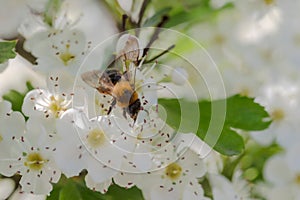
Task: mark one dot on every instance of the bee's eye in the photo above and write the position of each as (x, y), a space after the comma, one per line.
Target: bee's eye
(114, 76)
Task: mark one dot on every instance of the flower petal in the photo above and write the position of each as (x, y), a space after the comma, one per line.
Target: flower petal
(101, 187)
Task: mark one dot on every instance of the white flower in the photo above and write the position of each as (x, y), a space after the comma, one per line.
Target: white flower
(176, 180)
(101, 187)
(20, 195)
(282, 173)
(224, 189)
(7, 186)
(10, 122)
(36, 21)
(280, 100)
(59, 49)
(29, 154)
(151, 140)
(89, 144)
(48, 103)
(12, 13)
(23, 69)
(5, 108)
(211, 158)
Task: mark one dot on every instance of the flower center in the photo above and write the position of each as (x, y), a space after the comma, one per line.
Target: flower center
(66, 56)
(297, 179)
(219, 39)
(269, 2)
(277, 114)
(35, 161)
(173, 171)
(55, 106)
(96, 138)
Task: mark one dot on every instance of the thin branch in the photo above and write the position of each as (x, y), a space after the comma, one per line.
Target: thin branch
(124, 19)
(155, 34)
(142, 11)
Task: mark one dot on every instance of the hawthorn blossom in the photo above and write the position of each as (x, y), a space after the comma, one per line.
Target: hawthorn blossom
(281, 173)
(7, 186)
(27, 152)
(23, 69)
(5, 108)
(101, 187)
(59, 50)
(280, 100)
(92, 144)
(12, 14)
(48, 103)
(20, 195)
(223, 189)
(178, 180)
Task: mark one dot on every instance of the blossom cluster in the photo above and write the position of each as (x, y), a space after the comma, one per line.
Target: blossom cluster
(61, 136)
(79, 122)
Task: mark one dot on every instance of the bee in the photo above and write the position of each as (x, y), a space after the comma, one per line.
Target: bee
(116, 84)
(120, 85)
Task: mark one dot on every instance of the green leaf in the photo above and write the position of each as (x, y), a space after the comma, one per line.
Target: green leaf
(156, 18)
(116, 192)
(70, 191)
(7, 50)
(16, 98)
(194, 15)
(54, 194)
(72, 188)
(248, 118)
(215, 122)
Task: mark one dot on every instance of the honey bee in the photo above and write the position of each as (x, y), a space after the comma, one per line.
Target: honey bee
(119, 84)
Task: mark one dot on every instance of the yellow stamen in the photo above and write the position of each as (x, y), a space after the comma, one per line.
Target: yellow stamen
(66, 56)
(277, 114)
(55, 106)
(35, 161)
(96, 138)
(269, 2)
(173, 171)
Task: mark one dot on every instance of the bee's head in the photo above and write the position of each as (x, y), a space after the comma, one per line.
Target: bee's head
(134, 108)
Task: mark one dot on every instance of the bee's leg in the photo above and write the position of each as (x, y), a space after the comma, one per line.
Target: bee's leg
(113, 103)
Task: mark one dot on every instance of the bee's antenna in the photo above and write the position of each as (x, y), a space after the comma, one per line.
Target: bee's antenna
(161, 54)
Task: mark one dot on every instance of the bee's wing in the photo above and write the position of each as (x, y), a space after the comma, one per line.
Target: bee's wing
(128, 46)
(132, 49)
(99, 80)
